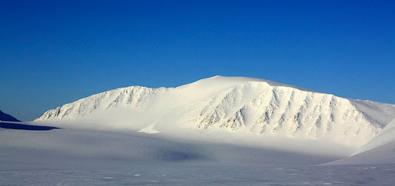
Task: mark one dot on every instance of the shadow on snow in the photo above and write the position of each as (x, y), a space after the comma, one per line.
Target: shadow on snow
(21, 126)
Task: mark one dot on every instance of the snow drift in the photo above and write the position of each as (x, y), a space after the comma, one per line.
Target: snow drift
(235, 104)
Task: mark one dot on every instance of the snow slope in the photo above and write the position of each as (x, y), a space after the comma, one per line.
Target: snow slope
(386, 136)
(380, 150)
(234, 104)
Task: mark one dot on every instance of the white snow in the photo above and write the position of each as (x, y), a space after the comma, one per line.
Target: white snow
(387, 135)
(380, 150)
(216, 131)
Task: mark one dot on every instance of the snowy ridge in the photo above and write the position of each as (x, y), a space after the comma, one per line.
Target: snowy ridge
(234, 104)
(134, 97)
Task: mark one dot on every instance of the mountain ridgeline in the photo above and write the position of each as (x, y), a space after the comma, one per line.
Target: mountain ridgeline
(233, 104)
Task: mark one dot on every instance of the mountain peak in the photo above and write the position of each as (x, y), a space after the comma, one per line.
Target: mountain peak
(7, 117)
(238, 79)
(228, 81)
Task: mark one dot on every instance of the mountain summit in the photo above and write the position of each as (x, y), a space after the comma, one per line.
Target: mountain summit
(234, 104)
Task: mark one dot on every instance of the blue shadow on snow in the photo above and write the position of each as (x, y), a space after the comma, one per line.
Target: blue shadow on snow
(21, 126)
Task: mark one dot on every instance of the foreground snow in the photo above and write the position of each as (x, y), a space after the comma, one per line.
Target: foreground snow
(91, 157)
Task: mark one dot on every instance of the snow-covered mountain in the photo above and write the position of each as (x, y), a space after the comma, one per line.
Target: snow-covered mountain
(7, 117)
(234, 104)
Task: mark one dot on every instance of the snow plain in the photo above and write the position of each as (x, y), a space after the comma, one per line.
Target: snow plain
(92, 157)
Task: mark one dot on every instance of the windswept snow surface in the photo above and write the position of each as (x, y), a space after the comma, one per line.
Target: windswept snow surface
(91, 157)
(233, 104)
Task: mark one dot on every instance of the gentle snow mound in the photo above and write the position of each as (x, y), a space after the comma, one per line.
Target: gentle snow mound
(149, 129)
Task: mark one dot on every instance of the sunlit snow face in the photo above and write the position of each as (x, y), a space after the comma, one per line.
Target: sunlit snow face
(233, 104)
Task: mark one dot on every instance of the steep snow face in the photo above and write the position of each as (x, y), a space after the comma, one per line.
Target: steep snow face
(235, 104)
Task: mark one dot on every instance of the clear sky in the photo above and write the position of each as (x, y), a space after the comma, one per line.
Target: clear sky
(54, 52)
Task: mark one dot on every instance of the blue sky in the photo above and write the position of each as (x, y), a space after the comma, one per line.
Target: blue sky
(53, 52)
